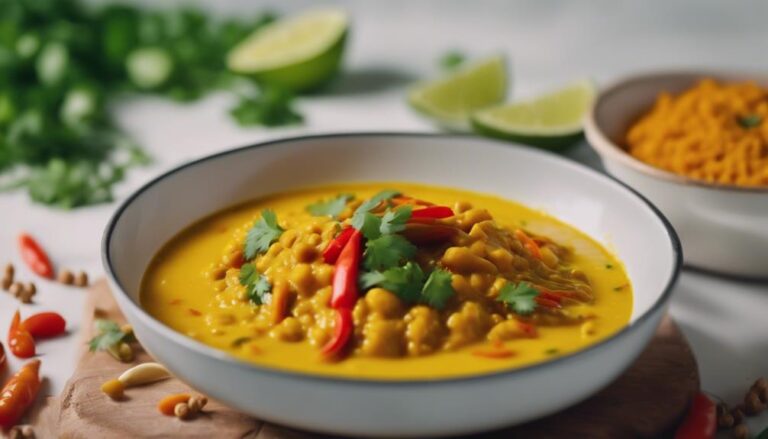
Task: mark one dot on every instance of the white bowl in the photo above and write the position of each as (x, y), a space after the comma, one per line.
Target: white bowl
(723, 228)
(596, 204)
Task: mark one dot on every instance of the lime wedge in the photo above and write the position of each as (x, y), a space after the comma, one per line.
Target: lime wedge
(299, 53)
(450, 100)
(550, 121)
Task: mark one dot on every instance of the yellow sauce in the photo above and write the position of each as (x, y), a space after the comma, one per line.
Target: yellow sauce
(177, 291)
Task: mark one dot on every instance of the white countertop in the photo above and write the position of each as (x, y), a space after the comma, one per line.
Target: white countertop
(395, 42)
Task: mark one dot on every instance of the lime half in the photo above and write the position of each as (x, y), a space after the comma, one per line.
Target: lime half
(299, 53)
(450, 100)
(550, 121)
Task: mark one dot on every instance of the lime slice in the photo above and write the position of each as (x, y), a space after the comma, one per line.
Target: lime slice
(299, 53)
(550, 121)
(450, 100)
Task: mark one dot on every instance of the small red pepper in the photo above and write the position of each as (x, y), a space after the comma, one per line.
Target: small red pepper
(528, 243)
(34, 256)
(332, 252)
(2, 358)
(701, 420)
(45, 324)
(547, 303)
(341, 333)
(20, 341)
(435, 212)
(345, 290)
(19, 394)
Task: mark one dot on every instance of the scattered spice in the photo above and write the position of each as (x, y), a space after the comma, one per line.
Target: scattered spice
(66, 277)
(195, 312)
(7, 279)
(754, 403)
(81, 280)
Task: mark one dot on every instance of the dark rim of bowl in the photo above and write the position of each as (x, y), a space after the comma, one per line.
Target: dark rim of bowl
(201, 348)
(605, 146)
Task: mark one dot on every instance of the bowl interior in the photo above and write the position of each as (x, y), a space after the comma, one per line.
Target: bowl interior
(595, 204)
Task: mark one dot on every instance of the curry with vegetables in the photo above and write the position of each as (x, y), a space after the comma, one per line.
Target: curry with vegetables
(361, 280)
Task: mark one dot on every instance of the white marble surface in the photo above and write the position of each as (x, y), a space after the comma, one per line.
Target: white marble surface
(395, 42)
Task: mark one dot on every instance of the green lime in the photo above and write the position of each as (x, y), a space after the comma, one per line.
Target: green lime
(299, 53)
(550, 121)
(450, 100)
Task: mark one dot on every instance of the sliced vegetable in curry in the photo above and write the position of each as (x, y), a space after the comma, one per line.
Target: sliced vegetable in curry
(447, 282)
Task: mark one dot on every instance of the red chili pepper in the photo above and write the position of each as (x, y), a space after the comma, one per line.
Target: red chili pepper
(34, 256)
(20, 341)
(436, 212)
(549, 295)
(2, 358)
(45, 324)
(341, 333)
(345, 290)
(547, 303)
(528, 243)
(332, 252)
(700, 422)
(19, 394)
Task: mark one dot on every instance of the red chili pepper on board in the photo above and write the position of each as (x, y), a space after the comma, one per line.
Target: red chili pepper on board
(45, 324)
(332, 252)
(701, 420)
(34, 256)
(345, 290)
(20, 341)
(19, 394)
(2, 358)
(341, 333)
(435, 212)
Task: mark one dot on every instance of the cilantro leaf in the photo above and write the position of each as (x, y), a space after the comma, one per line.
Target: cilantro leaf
(256, 285)
(520, 297)
(264, 232)
(272, 107)
(387, 251)
(452, 59)
(438, 289)
(406, 282)
(332, 207)
(108, 334)
(368, 224)
(750, 121)
(394, 221)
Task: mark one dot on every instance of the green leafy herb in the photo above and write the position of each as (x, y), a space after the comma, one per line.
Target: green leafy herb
(520, 297)
(374, 201)
(387, 251)
(264, 232)
(368, 224)
(751, 121)
(332, 207)
(406, 281)
(271, 107)
(452, 59)
(437, 290)
(394, 221)
(256, 285)
(108, 335)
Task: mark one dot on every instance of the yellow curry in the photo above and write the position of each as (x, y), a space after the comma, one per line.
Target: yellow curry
(388, 281)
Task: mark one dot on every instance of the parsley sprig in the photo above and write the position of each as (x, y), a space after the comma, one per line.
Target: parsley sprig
(264, 232)
(411, 285)
(257, 286)
(521, 297)
(332, 208)
(387, 251)
(108, 335)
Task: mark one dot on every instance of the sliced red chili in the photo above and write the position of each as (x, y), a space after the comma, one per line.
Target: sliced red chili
(45, 324)
(547, 303)
(528, 243)
(334, 248)
(436, 212)
(341, 333)
(20, 341)
(34, 256)
(345, 289)
(700, 422)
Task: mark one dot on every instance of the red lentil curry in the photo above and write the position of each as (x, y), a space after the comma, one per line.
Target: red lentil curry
(361, 280)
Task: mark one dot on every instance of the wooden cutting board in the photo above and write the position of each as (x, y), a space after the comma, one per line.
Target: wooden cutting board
(647, 401)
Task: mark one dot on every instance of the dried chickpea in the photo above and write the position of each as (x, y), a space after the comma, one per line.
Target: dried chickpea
(81, 280)
(66, 277)
(15, 289)
(752, 403)
(761, 387)
(31, 288)
(25, 296)
(21, 432)
(741, 431)
(114, 388)
(9, 271)
(6, 282)
(196, 403)
(181, 410)
(738, 415)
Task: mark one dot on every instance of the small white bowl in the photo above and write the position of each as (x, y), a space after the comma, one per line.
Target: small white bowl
(723, 228)
(598, 205)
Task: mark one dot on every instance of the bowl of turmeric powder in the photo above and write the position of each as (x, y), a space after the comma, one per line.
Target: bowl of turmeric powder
(696, 145)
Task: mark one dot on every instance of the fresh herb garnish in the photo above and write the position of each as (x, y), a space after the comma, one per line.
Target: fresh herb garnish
(521, 297)
(332, 207)
(394, 221)
(368, 224)
(256, 285)
(452, 59)
(264, 232)
(108, 335)
(270, 107)
(372, 202)
(751, 121)
(406, 282)
(437, 290)
(387, 251)
(372, 226)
